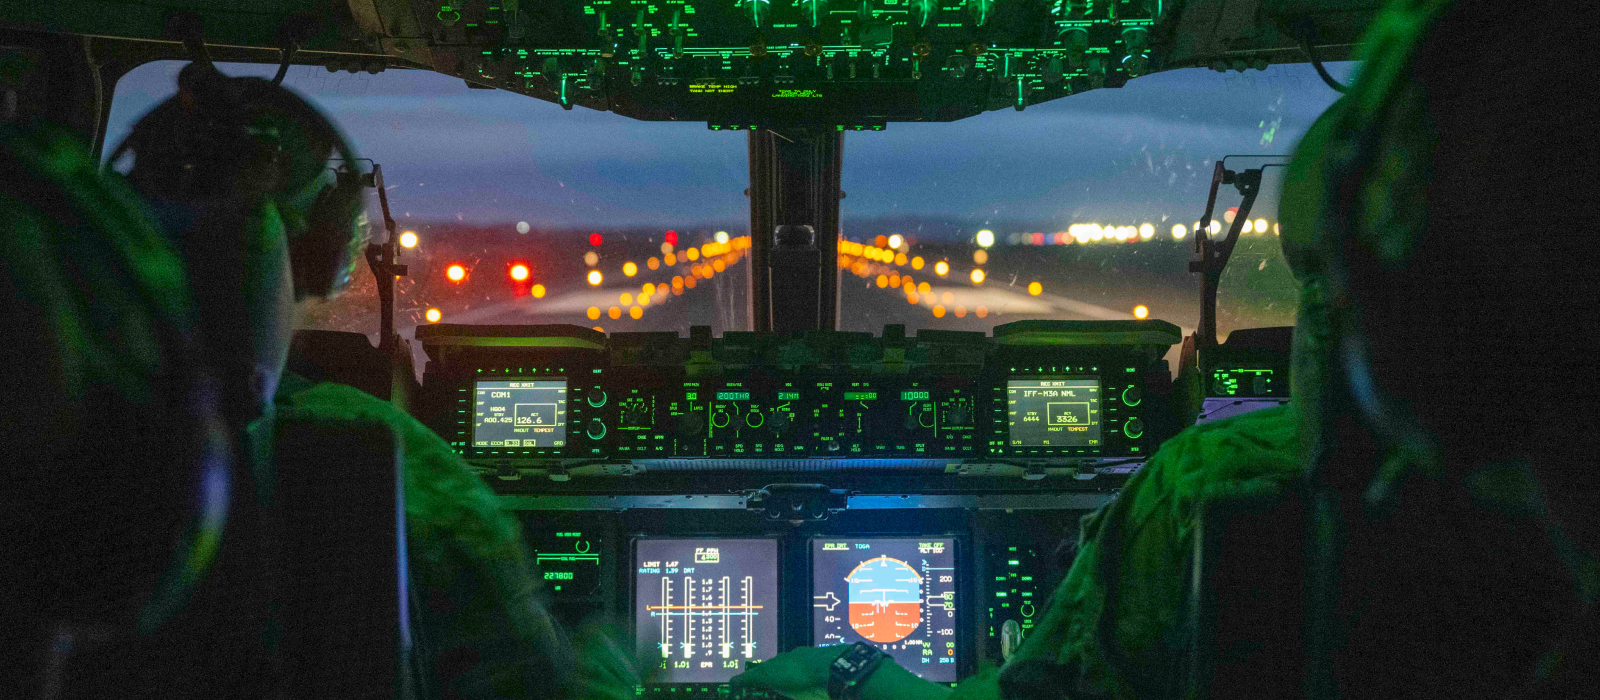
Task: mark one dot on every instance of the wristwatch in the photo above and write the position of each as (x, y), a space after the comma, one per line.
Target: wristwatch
(851, 669)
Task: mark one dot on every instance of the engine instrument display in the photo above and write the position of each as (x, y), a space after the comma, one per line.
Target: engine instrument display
(1047, 412)
(705, 608)
(519, 413)
(898, 593)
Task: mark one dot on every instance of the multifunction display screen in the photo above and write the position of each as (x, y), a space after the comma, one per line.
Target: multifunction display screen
(898, 593)
(704, 609)
(519, 414)
(1053, 412)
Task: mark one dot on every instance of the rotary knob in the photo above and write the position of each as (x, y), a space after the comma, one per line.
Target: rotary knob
(780, 421)
(596, 397)
(1133, 428)
(596, 429)
(754, 419)
(1132, 395)
(959, 415)
(720, 419)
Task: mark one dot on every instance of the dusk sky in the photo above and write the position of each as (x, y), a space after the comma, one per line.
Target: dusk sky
(1142, 152)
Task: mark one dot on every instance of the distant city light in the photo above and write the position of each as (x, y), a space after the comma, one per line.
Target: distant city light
(519, 272)
(980, 256)
(538, 291)
(648, 289)
(941, 268)
(917, 263)
(1179, 231)
(880, 241)
(1230, 214)
(671, 237)
(693, 254)
(522, 227)
(912, 298)
(882, 281)
(408, 239)
(635, 313)
(666, 248)
(591, 258)
(895, 241)
(1035, 288)
(986, 238)
(595, 278)
(596, 239)
(977, 275)
(924, 287)
(670, 259)
(1141, 312)
(456, 273)
(653, 263)
(433, 315)
(899, 258)
(1147, 231)
(630, 269)
(593, 312)
(626, 298)
(721, 237)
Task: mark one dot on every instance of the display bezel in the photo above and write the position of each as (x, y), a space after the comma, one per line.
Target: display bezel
(962, 588)
(632, 599)
(471, 417)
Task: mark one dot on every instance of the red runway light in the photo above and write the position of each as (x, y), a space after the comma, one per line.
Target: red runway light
(519, 272)
(596, 239)
(456, 273)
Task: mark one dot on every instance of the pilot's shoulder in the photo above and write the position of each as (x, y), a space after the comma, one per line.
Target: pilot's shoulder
(1259, 444)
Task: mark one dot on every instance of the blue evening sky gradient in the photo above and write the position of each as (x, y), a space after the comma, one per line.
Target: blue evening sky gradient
(1143, 152)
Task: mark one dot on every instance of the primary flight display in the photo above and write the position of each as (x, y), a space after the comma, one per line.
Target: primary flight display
(898, 593)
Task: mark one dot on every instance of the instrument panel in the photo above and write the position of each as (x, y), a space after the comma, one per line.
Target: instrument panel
(513, 396)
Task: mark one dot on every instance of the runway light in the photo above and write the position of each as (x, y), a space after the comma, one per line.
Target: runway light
(408, 239)
(977, 275)
(986, 238)
(594, 312)
(693, 254)
(1230, 214)
(1261, 225)
(982, 311)
(630, 269)
(538, 291)
(670, 259)
(947, 298)
(1249, 226)
(721, 238)
(1179, 231)
(1141, 312)
(938, 312)
(635, 313)
(519, 272)
(1215, 227)
(882, 281)
(913, 298)
(653, 263)
(671, 237)
(456, 273)
(961, 312)
(626, 299)
(647, 289)
(595, 277)
(980, 257)
(596, 239)
(614, 312)
(1275, 229)
(924, 287)
(591, 258)
(522, 227)
(895, 241)
(600, 329)
(1147, 231)
(1035, 288)
(434, 315)
(880, 241)
(941, 268)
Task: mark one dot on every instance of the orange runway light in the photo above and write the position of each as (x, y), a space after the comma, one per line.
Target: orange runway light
(519, 272)
(434, 315)
(455, 273)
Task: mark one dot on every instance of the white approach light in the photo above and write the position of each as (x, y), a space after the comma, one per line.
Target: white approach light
(986, 238)
(722, 237)
(895, 241)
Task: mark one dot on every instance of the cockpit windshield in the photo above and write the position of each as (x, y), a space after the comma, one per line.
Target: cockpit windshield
(515, 211)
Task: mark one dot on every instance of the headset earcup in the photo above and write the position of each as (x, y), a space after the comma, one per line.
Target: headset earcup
(324, 255)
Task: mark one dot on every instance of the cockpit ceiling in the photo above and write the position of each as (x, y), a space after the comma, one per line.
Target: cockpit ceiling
(739, 64)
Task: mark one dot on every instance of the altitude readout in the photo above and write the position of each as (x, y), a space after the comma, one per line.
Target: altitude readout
(896, 593)
(1053, 412)
(704, 609)
(519, 414)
